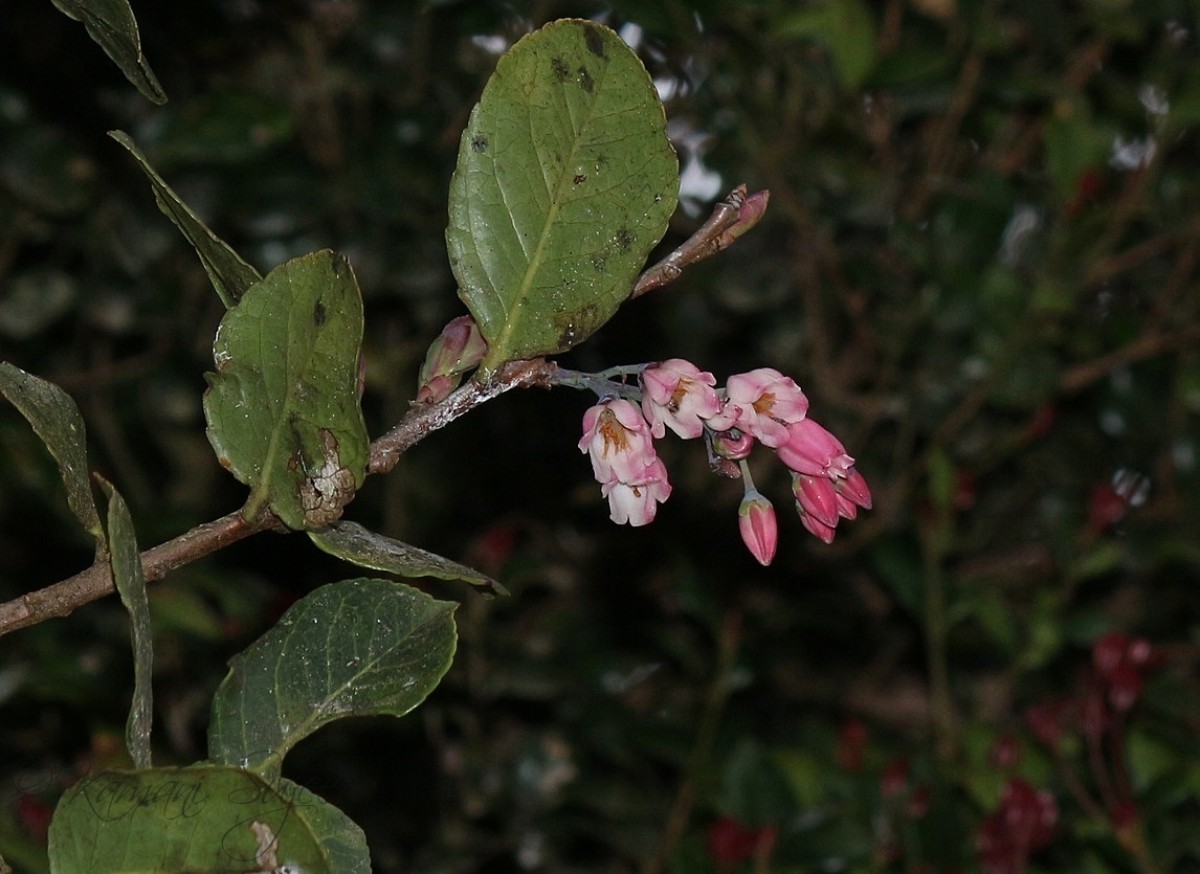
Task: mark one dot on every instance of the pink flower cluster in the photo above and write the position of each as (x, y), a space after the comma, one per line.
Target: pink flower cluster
(762, 406)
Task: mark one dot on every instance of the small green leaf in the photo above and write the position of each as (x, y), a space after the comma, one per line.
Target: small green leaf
(110, 23)
(282, 408)
(229, 274)
(202, 818)
(353, 543)
(355, 648)
(130, 582)
(56, 420)
(565, 182)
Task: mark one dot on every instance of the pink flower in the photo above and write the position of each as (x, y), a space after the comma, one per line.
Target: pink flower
(812, 450)
(678, 395)
(632, 477)
(760, 532)
(617, 438)
(637, 503)
(762, 403)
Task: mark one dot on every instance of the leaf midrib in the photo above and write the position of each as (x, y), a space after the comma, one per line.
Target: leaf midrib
(498, 351)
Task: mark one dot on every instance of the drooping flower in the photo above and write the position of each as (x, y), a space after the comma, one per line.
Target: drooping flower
(617, 439)
(680, 396)
(637, 503)
(758, 526)
(762, 403)
(634, 480)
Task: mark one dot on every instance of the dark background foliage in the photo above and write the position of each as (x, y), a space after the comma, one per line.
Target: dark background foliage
(980, 262)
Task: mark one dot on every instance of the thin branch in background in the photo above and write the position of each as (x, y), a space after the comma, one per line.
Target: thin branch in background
(689, 790)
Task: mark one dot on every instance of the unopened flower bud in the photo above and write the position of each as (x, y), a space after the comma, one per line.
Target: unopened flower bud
(817, 497)
(459, 348)
(757, 524)
(732, 444)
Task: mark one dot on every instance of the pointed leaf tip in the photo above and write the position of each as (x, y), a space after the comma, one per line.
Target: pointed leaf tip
(56, 420)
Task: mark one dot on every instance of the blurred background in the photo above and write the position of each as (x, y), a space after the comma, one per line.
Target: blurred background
(981, 262)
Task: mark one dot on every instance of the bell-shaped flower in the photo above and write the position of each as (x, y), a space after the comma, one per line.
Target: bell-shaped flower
(617, 439)
(762, 403)
(680, 396)
(637, 503)
(758, 526)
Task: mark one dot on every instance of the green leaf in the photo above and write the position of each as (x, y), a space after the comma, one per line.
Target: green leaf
(282, 408)
(355, 648)
(56, 420)
(565, 182)
(343, 841)
(202, 818)
(130, 583)
(353, 543)
(110, 23)
(229, 274)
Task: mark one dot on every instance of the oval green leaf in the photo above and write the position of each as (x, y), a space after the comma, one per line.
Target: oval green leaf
(356, 648)
(56, 420)
(565, 182)
(352, 542)
(282, 409)
(202, 818)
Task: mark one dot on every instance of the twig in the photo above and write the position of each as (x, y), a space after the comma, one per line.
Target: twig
(730, 218)
(62, 598)
(1080, 376)
(423, 420)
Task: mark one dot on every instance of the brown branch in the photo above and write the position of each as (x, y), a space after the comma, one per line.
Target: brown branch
(422, 420)
(1080, 376)
(717, 233)
(62, 598)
